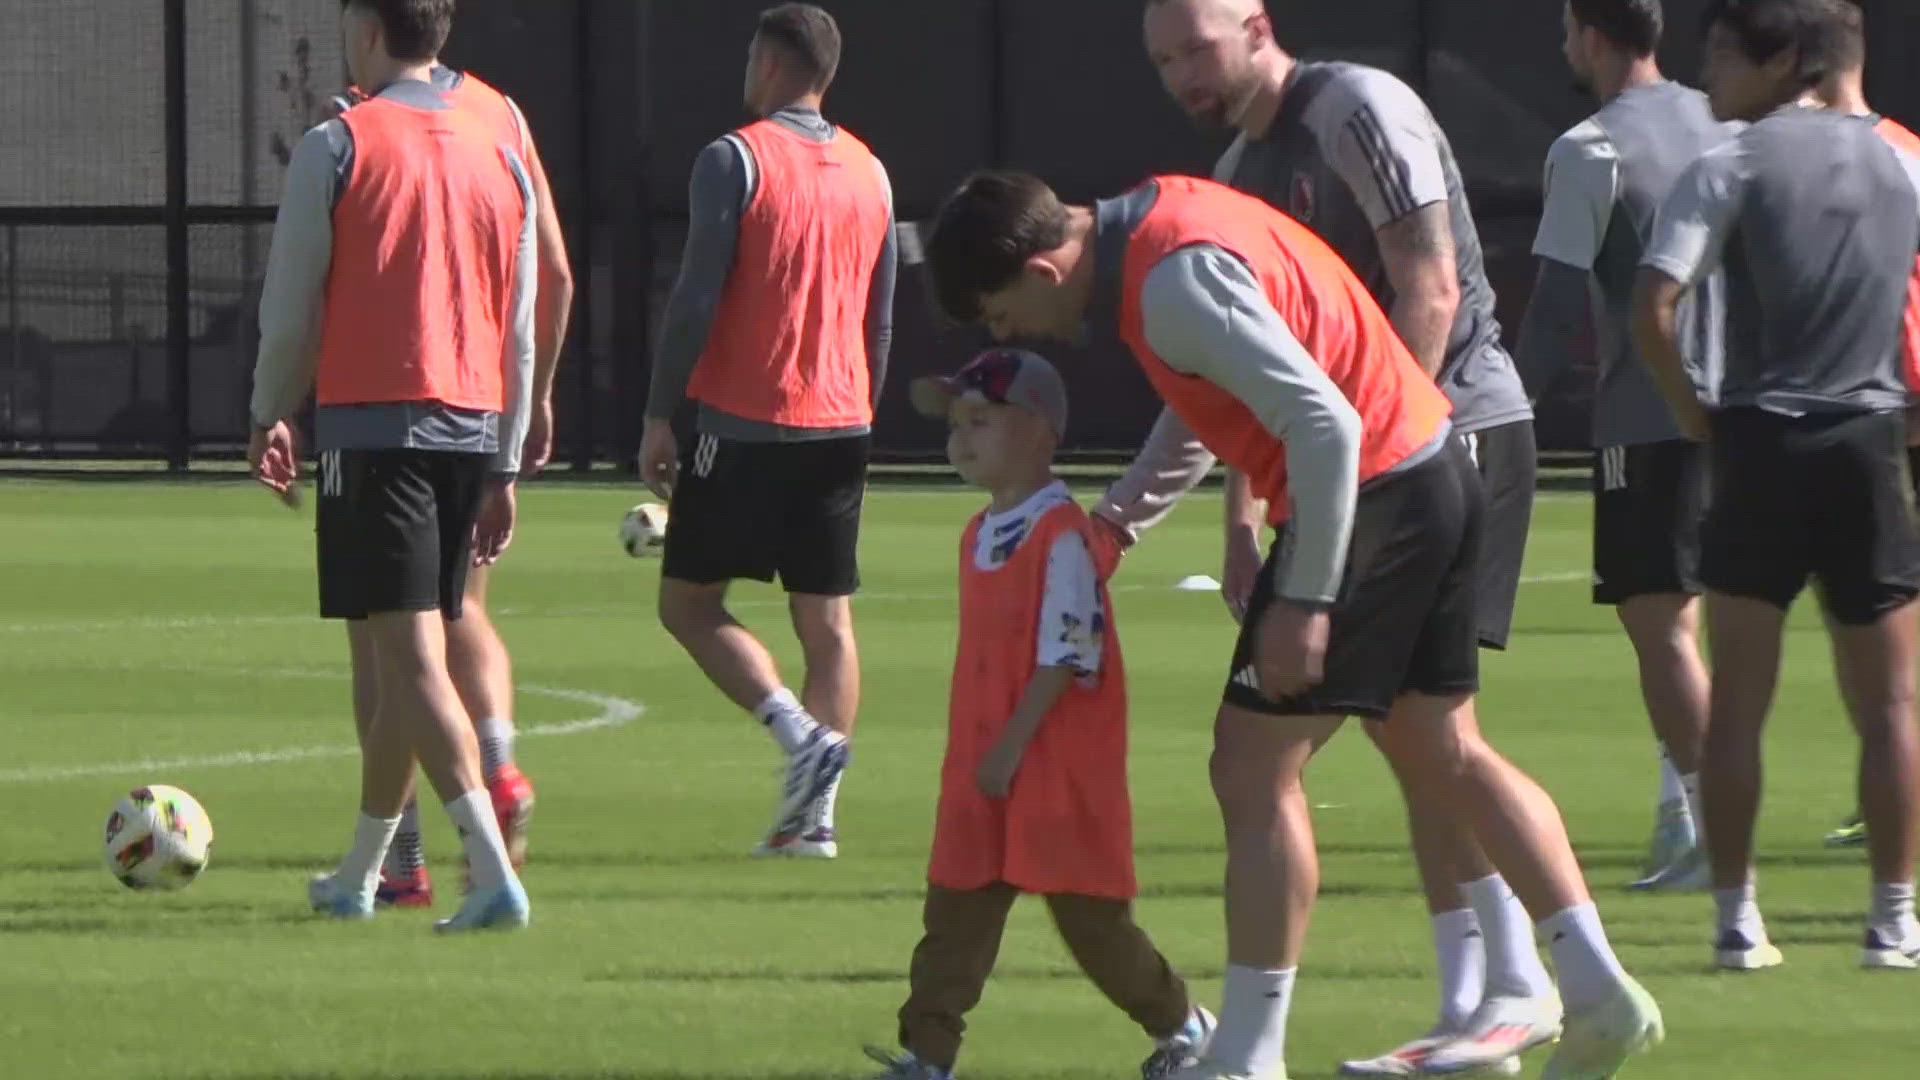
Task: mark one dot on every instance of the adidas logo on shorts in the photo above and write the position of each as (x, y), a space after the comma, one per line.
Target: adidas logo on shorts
(1247, 677)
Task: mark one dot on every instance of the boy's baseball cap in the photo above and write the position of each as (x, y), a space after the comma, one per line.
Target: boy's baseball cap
(1003, 377)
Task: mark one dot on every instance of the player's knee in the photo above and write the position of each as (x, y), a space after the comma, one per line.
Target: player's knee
(688, 610)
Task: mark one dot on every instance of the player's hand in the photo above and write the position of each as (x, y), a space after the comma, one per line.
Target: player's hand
(1290, 649)
(493, 529)
(1240, 571)
(275, 461)
(538, 449)
(1110, 542)
(659, 458)
(998, 766)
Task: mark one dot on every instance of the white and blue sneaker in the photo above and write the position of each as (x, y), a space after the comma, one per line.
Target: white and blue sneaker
(1884, 953)
(905, 1066)
(1184, 1048)
(327, 896)
(503, 907)
(1676, 841)
(1500, 1030)
(811, 770)
(1738, 950)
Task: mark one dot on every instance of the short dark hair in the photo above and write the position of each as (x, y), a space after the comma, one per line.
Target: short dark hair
(1850, 51)
(1633, 25)
(1767, 28)
(985, 232)
(416, 30)
(809, 37)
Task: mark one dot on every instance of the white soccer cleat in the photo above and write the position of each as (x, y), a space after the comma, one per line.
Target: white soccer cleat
(503, 907)
(1598, 1039)
(1690, 873)
(326, 895)
(1208, 1071)
(904, 1066)
(815, 843)
(1500, 1030)
(1408, 1059)
(811, 771)
(1674, 835)
(1184, 1049)
(1736, 951)
(1883, 954)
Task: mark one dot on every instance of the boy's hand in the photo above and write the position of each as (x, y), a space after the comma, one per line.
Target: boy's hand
(998, 766)
(1290, 649)
(1110, 541)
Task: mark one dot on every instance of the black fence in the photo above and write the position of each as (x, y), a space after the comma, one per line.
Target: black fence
(136, 210)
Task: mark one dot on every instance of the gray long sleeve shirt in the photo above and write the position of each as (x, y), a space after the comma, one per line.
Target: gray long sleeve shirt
(724, 180)
(293, 301)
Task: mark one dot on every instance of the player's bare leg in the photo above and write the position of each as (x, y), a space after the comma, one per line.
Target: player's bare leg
(403, 873)
(482, 673)
(824, 625)
(1436, 743)
(740, 666)
(1665, 631)
(1875, 664)
(1744, 638)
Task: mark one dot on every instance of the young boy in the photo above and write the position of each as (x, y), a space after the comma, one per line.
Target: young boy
(1033, 793)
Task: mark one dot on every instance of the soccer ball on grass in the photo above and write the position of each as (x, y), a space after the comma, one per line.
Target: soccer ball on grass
(644, 530)
(158, 837)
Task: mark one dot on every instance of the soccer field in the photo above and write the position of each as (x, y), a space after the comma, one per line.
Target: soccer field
(161, 632)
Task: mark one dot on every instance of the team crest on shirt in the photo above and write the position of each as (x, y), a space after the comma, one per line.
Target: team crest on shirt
(1300, 201)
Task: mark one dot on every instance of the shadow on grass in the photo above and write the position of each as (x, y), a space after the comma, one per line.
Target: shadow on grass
(1012, 973)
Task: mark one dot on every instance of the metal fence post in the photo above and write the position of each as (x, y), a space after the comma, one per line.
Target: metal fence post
(179, 381)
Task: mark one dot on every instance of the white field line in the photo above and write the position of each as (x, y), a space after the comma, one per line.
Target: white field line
(217, 622)
(614, 712)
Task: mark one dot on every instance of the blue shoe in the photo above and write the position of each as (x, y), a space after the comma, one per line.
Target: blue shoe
(327, 896)
(501, 908)
(811, 770)
(1183, 1050)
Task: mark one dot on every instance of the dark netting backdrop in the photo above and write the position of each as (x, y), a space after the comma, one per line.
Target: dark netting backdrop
(136, 211)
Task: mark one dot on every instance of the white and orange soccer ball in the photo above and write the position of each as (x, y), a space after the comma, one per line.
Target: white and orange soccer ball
(158, 837)
(643, 531)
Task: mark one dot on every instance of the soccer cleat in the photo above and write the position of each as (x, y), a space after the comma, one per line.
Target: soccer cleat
(1205, 1070)
(811, 770)
(326, 895)
(1882, 953)
(1598, 1039)
(1735, 951)
(1853, 833)
(1501, 1029)
(1674, 835)
(1183, 1049)
(501, 908)
(905, 1067)
(1409, 1059)
(512, 796)
(413, 891)
(816, 843)
(1690, 873)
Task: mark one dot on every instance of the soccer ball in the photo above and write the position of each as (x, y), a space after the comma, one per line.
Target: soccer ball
(158, 837)
(644, 530)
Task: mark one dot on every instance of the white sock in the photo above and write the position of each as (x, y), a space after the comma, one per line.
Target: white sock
(1513, 958)
(1739, 909)
(1582, 957)
(496, 743)
(360, 870)
(784, 716)
(1892, 911)
(1252, 1036)
(405, 856)
(1690, 790)
(823, 817)
(1670, 786)
(1459, 947)
(472, 814)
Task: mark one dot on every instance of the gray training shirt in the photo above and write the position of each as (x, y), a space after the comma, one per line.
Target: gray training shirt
(1354, 149)
(1605, 180)
(724, 180)
(1816, 219)
(293, 300)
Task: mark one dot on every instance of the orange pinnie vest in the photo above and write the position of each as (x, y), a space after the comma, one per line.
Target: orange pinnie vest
(788, 344)
(1329, 311)
(472, 93)
(1067, 824)
(1907, 141)
(426, 241)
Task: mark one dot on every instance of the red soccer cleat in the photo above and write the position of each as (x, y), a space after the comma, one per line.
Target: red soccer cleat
(410, 892)
(512, 796)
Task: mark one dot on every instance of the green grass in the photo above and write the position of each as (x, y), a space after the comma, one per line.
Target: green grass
(167, 622)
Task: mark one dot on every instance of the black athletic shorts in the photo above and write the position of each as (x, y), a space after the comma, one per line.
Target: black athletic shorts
(1827, 496)
(394, 529)
(756, 509)
(1508, 461)
(1648, 504)
(1404, 621)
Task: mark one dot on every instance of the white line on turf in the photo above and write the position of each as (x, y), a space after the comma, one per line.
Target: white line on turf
(614, 712)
